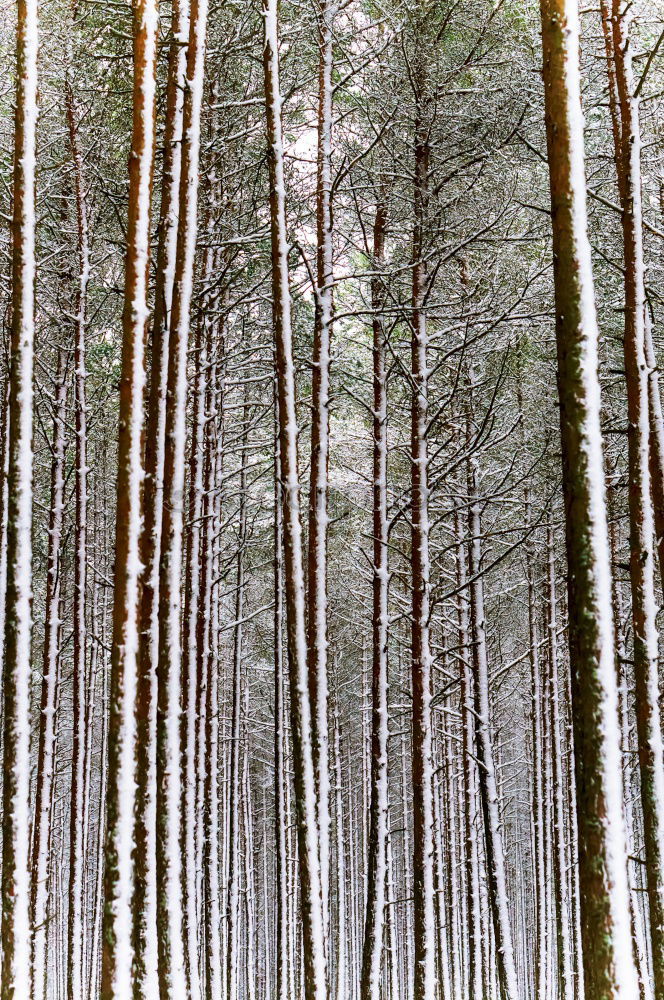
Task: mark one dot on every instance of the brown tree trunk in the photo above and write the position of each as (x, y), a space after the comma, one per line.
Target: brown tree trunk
(640, 440)
(320, 443)
(145, 900)
(42, 835)
(423, 885)
(75, 957)
(370, 983)
(118, 878)
(15, 979)
(607, 947)
(313, 924)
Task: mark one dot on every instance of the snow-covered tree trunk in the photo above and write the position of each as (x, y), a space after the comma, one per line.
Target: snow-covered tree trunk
(281, 923)
(15, 979)
(608, 966)
(234, 780)
(562, 908)
(488, 786)
(636, 912)
(470, 770)
(170, 920)
(538, 791)
(342, 922)
(627, 141)
(320, 446)
(377, 849)
(145, 930)
(249, 866)
(422, 780)
(117, 956)
(41, 844)
(78, 767)
(208, 650)
(311, 903)
(656, 443)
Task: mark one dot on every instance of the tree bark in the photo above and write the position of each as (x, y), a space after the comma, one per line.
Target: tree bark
(423, 832)
(320, 445)
(78, 765)
(170, 918)
(627, 143)
(608, 964)
(377, 853)
(42, 833)
(16, 938)
(313, 924)
(120, 800)
(488, 786)
(145, 900)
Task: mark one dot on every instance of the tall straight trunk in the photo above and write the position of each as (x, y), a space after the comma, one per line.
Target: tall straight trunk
(561, 898)
(75, 954)
(93, 980)
(16, 977)
(145, 928)
(392, 925)
(41, 846)
(170, 922)
(623, 106)
(201, 689)
(234, 800)
(538, 790)
(311, 903)
(120, 800)
(320, 443)
(638, 931)
(4, 502)
(453, 871)
(249, 869)
(281, 928)
(547, 756)
(208, 651)
(470, 771)
(406, 874)
(377, 855)
(656, 443)
(341, 929)
(627, 141)
(190, 671)
(488, 785)
(423, 832)
(267, 949)
(440, 883)
(608, 965)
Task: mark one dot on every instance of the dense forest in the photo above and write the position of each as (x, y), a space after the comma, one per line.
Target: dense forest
(331, 500)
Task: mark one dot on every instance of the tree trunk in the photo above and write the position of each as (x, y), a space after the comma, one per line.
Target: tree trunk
(627, 141)
(41, 846)
(423, 833)
(78, 766)
(470, 772)
(16, 938)
(562, 908)
(170, 922)
(377, 854)
(320, 444)
(281, 929)
(488, 786)
(145, 900)
(120, 800)
(313, 924)
(234, 800)
(608, 964)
